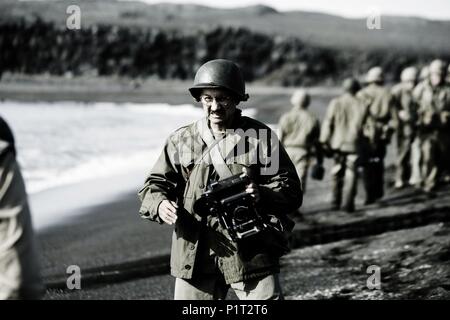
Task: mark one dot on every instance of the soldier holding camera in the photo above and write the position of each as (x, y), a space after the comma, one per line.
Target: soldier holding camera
(229, 224)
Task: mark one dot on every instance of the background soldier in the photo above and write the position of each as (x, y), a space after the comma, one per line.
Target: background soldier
(341, 136)
(424, 73)
(448, 75)
(406, 119)
(377, 130)
(433, 96)
(299, 131)
(416, 175)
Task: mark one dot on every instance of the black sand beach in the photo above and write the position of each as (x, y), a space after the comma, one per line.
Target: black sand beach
(117, 251)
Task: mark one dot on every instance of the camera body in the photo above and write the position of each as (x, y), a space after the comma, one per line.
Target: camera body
(234, 207)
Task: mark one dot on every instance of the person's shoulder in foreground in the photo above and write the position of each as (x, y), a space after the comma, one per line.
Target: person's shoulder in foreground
(19, 268)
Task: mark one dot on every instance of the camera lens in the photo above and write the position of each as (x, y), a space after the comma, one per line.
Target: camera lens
(240, 213)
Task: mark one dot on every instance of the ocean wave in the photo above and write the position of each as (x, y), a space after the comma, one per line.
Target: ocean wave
(95, 168)
(163, 108)
(69, 142)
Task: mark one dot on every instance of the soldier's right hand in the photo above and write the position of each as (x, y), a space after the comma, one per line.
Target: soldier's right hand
(445, 117)
(167, 211)
(403, 115)
(326, 150)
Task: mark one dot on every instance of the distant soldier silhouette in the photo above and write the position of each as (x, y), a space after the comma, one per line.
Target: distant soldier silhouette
(433, 97)
(341, 136)
(406, 120)
(416, 176)
(299, 133)
(377, 130)
(448, 74)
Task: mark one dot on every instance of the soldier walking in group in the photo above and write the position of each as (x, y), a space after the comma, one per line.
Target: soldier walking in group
(447, 79)
(433, 97)
(416, 176)
(299, 133)
(341, 138)
(406, 119)
(377, 131)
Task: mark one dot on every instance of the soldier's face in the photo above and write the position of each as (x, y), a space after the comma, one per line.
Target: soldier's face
(436, 78)
(219, 106)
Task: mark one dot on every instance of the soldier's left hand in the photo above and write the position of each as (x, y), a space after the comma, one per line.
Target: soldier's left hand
(403, 115)
(445, 116)
(253, 190)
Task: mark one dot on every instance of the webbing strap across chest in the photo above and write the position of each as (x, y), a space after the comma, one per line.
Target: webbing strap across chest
(218, 161)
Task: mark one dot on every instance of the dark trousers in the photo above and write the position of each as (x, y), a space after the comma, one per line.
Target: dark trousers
(403, 163)
(344, 180)
(374, 178)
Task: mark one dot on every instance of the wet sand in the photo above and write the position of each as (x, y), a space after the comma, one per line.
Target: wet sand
(413, 258)
(332, 250)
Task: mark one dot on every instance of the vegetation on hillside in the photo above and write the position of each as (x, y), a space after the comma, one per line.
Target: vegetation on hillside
(139, 42)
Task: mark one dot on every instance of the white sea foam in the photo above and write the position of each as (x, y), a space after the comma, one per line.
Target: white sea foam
(63, 143)
(67, 143)
(94, 168)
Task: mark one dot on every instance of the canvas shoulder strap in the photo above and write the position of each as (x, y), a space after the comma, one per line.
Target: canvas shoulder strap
(218, 161)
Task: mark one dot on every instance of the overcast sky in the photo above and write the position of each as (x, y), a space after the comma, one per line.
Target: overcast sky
(433, 9)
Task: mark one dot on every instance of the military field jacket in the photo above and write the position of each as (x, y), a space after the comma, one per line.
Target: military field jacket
(299, 128)
(379, 123)
(434, 108)
(342, 125)
(406, 109)
(181, 174)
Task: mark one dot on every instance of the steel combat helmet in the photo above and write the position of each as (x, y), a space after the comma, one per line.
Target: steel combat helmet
(409, 74)
(219, 73)
(437, 67)
(375, 74)
(424, 73)
(351, 85)
(300, 98)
